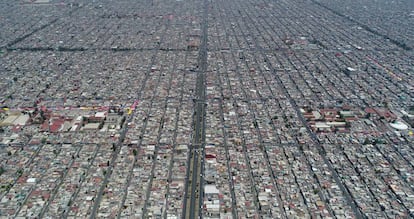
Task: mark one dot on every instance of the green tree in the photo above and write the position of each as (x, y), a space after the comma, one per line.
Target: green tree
(366, 141)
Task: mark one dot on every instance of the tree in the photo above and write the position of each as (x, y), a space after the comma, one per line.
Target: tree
(366, 141)
(19, 172)
(255, 124)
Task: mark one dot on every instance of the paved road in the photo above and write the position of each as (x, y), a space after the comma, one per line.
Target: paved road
(110, 168)
(194, 190)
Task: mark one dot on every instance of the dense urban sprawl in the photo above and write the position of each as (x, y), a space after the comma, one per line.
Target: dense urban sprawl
(206, 108)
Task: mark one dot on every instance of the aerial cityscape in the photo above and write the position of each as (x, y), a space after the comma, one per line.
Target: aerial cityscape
(186, 109)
